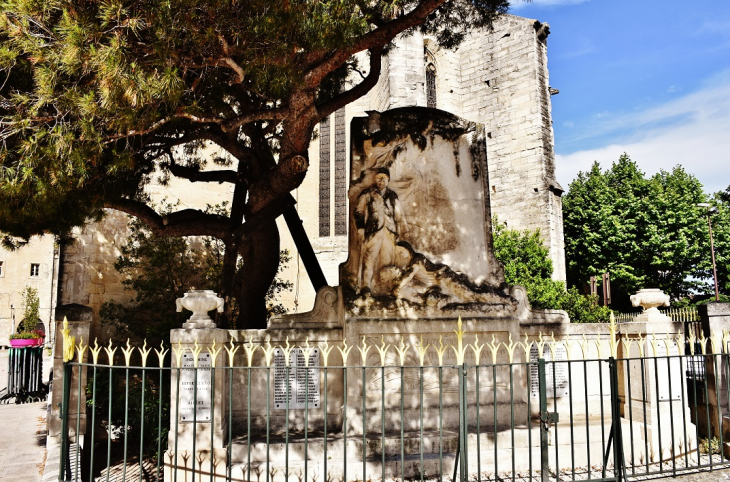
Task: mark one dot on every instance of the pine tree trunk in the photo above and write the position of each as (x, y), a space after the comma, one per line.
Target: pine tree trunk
(260, 264)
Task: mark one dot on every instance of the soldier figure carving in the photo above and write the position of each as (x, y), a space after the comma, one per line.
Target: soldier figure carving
(380, 223)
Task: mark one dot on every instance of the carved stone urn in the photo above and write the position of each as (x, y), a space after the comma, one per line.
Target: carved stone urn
(650, 299)
(200, 302)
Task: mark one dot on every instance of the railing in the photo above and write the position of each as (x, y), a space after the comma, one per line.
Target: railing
(686, 315)
(572, 410)
(25, 369)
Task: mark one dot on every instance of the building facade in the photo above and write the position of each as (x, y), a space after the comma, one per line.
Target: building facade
(34, 265)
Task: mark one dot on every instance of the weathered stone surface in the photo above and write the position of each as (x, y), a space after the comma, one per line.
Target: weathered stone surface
(420, 220)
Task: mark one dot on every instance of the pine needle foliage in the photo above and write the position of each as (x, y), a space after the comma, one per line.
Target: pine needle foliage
(96, 97)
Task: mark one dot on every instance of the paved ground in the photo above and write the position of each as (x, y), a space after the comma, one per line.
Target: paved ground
(22, 436)
(23, 442)
(716, 476)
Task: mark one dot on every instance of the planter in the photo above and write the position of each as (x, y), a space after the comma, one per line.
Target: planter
(650, 299)
(200, 302)
(23, 342)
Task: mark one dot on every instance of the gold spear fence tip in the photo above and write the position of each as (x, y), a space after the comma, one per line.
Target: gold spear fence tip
(248, 347)
(422, 349)
(326, 352)
(307, 351)
(441, 350)
(344, 351)
(110, 350)
(81, 349)
(383, 350)
(161, 353)
(214, 353)
(178, 350)
(477, 349)
(196, 352)
(95, 351)
(268, 352)
(364, 351)
(402, 349)
(511, 348)
(494, 348)
(287, 351)
(128, 353)
(144, 352)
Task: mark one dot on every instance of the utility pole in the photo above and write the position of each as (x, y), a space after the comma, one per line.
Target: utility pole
(712, 245)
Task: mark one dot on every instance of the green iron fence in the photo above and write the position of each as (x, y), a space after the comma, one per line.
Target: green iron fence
(559, 415)
(24, 381)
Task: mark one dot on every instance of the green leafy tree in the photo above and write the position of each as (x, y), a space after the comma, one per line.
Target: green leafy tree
(160, 269)
(527, 262)
(97, 96)
(645, 232)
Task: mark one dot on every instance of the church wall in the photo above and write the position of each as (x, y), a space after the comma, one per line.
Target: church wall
(504, 82)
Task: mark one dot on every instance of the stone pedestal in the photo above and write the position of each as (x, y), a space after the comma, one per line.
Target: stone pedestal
(653, 391)
(197, 442)
(77, 399)
(715, 320)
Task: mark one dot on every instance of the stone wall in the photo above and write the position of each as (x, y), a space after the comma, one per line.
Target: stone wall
(504, 85)
(15, 275)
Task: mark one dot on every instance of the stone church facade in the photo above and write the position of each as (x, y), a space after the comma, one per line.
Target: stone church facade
(495, 78)
(498, 79)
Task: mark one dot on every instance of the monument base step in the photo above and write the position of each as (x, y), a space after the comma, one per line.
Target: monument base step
(581, 446)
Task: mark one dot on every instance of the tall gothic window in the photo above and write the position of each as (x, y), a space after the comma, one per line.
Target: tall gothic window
(340, 174)
(338, 185)
(324, 177)
(431, 85)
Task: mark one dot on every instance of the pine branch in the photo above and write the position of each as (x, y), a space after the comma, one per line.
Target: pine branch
(195, 175)
(359, 90)
(188, 222)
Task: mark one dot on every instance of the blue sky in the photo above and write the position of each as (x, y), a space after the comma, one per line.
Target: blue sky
(646, 77)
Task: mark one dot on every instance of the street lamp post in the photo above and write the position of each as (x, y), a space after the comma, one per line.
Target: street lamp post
(712, 245)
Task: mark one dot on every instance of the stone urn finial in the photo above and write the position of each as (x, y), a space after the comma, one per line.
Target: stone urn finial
(650, 299)
(200, 302)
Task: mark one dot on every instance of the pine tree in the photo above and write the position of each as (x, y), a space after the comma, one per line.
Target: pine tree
(95, 96)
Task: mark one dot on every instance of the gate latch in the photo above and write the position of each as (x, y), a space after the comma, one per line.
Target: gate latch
(549, 418)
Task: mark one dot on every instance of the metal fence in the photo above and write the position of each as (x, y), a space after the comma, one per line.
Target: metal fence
(568, 412)
(25, 369)
(686, 315)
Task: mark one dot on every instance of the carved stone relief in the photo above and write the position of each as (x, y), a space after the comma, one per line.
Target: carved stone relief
(420, 227)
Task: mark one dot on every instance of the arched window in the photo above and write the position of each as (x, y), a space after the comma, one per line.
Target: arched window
(431, 85)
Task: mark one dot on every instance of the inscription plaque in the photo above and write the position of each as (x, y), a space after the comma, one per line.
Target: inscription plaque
(302, 381)
(556, 374)
(669, 371)
(189, 410)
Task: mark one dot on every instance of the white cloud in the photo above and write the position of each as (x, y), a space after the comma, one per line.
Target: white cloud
(692, 130)
(544, 3)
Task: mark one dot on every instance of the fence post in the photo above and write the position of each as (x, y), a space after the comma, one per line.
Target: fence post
(618, 449)
(463, 426)
(544, 461)
(64, 465)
